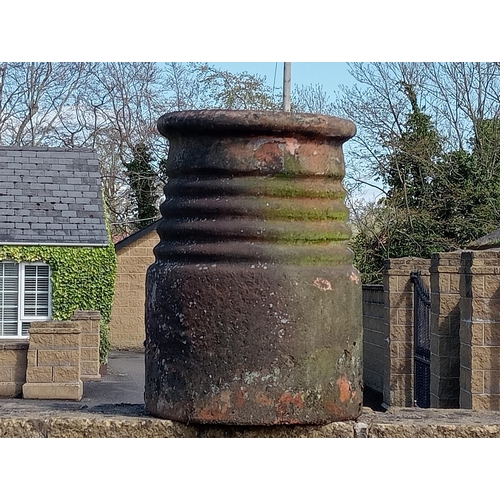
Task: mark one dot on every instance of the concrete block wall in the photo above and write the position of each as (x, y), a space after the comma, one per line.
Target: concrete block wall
(445, 329)
(126, 328)
(375, 337)
(13, 363)
(54, 361)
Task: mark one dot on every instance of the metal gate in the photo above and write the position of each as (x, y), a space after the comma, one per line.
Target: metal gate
(422, 342)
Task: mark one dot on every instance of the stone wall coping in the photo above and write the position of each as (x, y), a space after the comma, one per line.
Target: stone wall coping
(80, 315)
(29, 420)
(61, 327)
(404, 265)
(13, 345)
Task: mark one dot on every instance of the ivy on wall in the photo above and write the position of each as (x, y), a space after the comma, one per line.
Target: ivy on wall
(82, 278)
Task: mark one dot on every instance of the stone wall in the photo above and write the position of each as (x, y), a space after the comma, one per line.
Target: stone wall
(375, 337)
(54, 360)
(13, 362)
(126, 328)
(464, 331)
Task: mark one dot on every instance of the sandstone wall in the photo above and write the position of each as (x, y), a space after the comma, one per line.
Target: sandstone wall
(126, 328)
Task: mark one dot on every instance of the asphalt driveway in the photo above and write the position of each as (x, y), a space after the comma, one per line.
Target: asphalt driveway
(123, 383)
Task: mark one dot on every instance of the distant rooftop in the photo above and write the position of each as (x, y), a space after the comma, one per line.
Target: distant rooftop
(51, 196)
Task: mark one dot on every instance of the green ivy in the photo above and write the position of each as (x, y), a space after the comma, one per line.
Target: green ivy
(83, 278)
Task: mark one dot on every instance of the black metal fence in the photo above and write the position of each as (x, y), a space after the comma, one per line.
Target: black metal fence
(422, 341)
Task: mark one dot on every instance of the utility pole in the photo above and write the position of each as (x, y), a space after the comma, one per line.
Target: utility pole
(287, 78)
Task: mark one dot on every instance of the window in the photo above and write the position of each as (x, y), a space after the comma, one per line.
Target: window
(24, 297)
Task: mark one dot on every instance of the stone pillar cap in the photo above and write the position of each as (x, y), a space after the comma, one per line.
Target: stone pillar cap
(86, 315)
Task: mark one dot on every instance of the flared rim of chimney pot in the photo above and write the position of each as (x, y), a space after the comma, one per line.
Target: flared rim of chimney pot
(260, 122)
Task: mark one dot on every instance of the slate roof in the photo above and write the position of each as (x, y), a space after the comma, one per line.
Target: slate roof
(489, 241)
(51, 196)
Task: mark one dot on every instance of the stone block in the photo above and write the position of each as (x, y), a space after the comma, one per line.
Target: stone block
(71, 391)
(485, 358)
(448, 303)
(10, 389)
(486, 310)
(89, 368)
(477, 287)
(90, 340)
(35, 374)
(449, 387)
(10, 357)
(401, 299)
(393, 284)
(401, 333)
(41, 340)
(491, 382)
(491, 335)
(46, 327)
(445, 402)
(465, 356)
(454, 322)
(402, 382)
(6, 374)
(66, 373)
(66, 341)
(86, 315)
(405, 317)
(401, 398)
(465, 379)
(485, 402)
(59, 358)
(401, 366)
(477, 382)
(32, 357)
(455, 283)
(492, 287)
(465, 399)
(448, 346)
(89, 354)
(440, 283)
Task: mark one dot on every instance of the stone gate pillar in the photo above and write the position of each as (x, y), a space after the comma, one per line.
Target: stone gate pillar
(89, 323)
(253, 308)
(445, 330)
(398, 367)
(53, 370)
(480, 330)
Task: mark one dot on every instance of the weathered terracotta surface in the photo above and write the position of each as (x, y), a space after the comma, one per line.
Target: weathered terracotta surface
(253, 308)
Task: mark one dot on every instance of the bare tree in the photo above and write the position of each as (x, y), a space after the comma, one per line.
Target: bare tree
(34, 98)
(311, 99)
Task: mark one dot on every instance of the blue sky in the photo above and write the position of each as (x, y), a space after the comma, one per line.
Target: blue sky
(327, 74)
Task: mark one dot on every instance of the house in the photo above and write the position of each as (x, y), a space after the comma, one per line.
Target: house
(55, 253)
(134, 255)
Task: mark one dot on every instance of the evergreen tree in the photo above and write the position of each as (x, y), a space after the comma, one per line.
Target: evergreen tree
(436, 201)
(143, 183)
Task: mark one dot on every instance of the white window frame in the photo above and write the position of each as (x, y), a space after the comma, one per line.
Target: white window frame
(21, 317)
